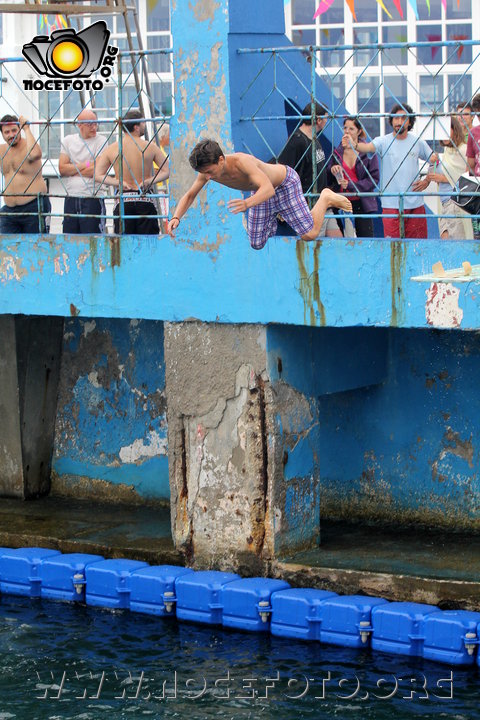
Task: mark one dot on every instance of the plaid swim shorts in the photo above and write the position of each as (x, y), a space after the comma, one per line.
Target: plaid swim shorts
(289, 202)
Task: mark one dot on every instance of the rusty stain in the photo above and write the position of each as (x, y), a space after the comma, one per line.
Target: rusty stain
(397, 270)
(74, 311)
(310, 285)
(115, 252)
(316, 283)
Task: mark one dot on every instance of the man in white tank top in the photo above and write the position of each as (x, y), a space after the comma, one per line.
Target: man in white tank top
(82, 210)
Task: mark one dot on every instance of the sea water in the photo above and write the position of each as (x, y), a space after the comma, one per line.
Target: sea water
(60, 660)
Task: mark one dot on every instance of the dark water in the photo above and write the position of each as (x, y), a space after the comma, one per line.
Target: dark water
(61, 661)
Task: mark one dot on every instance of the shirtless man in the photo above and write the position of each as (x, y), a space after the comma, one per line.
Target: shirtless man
(138, 157)
(24, 186)
(275, 189)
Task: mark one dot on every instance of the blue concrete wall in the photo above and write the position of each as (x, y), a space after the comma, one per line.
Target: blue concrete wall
(409, 448)
(326, 283)
(403, 448)
(304, 364)
(111, 430)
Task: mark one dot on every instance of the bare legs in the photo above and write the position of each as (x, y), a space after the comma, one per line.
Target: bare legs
(328, 199)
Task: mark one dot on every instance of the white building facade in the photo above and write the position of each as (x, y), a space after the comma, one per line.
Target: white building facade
(369, 81)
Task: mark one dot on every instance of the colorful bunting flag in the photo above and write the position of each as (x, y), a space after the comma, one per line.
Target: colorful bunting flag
(434, 38)
(460, 47)
(327, 4)
(351, 5)
(413, 3)
(49, 26)
(381, 3)
(323, 7)
(399, 7)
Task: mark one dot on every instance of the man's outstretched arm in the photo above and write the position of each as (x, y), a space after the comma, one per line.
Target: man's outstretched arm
(184, 203)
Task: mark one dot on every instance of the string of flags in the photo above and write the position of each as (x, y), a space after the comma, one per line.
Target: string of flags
(325, 5)
(49, 23)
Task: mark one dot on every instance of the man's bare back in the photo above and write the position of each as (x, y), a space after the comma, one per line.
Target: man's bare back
(21, 164)
(237, 172)
(138, 157)
(137, 164)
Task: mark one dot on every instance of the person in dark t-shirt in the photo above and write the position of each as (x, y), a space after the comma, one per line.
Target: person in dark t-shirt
(298, 155)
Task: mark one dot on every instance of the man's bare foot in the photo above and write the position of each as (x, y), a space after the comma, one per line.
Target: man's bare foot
(336, 200)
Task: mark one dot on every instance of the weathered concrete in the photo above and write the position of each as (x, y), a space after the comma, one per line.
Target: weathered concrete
(216, 407)
(78, 526)
(30, 353)
(111, 434)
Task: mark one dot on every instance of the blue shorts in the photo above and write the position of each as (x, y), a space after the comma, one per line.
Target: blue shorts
(24, 219)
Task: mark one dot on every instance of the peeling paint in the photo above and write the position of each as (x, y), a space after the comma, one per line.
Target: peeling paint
(141, 448)
(204, 10)
(11, 268)
(441, 308)
(61, 264)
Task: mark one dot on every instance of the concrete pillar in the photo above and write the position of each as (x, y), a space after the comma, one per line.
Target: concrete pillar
(217, 438)
(30, 351)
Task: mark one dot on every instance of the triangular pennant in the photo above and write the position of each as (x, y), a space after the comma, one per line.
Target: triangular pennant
(323, 7)
(380, 2)
(434, 38)
(413, 3)
(399, 7)
(428, 5)
(351, 5)
(444, 3)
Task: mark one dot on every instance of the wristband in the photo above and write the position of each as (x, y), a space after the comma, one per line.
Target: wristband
(175, 218)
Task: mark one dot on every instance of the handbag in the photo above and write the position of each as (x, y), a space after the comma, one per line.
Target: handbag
(467, 195)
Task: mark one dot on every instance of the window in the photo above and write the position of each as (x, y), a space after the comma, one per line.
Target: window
(395, 34)
(431, 93)
(431, 55)
(303, 12)
(365, 36)
(459, 90)
(459, 11)
(329, 39)
(365, 11)
(395, 91)
(461, 54)
(368, 90)
(304, 37)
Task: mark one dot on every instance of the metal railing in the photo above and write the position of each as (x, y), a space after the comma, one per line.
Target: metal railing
(51, 116)
(278, 67)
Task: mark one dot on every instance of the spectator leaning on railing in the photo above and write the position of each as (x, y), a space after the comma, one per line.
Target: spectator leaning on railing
(453, 163)
(77, 165)
(24, 187)
(399, 153)
(139, 176)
